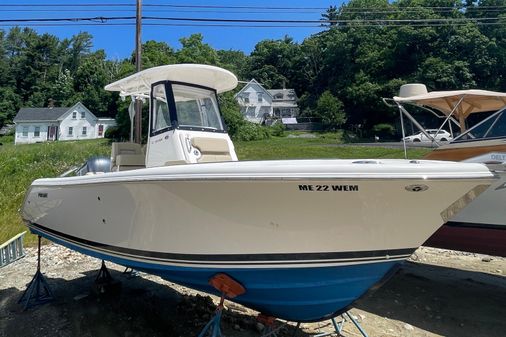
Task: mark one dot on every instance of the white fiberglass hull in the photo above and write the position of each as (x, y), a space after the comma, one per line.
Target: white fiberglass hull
(258, 216)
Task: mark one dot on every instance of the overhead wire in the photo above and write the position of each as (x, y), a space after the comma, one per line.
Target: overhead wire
(239, 22)
(224, 20)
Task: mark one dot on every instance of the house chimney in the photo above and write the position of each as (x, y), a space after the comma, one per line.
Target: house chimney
(50, 103)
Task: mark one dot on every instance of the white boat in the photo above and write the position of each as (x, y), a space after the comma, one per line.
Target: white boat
(481, 226)
(305, 238)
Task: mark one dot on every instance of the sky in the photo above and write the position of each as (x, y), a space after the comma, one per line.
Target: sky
(119, 40)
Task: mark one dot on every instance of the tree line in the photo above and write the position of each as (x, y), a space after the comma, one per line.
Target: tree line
(366, 50)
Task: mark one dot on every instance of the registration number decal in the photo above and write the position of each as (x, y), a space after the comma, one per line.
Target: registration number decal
(329, 188)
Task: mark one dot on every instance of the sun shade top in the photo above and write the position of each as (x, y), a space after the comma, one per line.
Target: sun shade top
(139, 84)
(445, 101)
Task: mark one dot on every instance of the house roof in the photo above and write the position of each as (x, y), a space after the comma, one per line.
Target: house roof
(39, 114)
(252, 81)
(285, 92)
(44, 114)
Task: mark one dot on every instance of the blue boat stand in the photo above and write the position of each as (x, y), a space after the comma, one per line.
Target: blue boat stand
(38, 290)
(338, 326)
(213, 328)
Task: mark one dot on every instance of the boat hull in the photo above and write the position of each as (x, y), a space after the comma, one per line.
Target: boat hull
(468, 237)
(481, 226)
(296, 294)
(305, 238)
(465, 150)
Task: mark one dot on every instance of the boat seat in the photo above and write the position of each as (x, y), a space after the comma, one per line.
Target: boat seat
(212, 149)
(127, 156)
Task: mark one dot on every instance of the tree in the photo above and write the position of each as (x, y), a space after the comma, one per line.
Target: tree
(272, 63)
(331, 14)
(156, 54)
(195, 51)
(330, 109)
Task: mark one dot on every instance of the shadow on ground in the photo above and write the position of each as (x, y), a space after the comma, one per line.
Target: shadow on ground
(138, 307)
(445, 301)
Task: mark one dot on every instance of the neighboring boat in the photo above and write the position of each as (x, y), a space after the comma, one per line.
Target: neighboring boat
(305, 238)
(481, 226)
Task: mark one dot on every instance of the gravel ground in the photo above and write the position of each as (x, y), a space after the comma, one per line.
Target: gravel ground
(437, 293)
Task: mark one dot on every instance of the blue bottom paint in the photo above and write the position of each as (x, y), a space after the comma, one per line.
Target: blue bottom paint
(291, 293)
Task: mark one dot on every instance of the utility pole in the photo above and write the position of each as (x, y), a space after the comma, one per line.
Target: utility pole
(138, 66)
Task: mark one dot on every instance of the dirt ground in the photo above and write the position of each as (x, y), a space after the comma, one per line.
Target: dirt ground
(436, 293)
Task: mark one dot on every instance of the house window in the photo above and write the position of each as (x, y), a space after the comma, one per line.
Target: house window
(100, 130)
(74, 114)
(246, 98)
(36, 132)
(84, 131)
(71, 131)
(25, 131)
(259, 97)
(83, 114)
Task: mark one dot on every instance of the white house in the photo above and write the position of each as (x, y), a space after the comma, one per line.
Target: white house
(257, 103)
(34, 125)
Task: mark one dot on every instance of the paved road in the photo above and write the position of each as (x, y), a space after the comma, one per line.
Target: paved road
(394, 145)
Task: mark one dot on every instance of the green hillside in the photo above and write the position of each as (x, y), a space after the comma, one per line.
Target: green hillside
(21, 164)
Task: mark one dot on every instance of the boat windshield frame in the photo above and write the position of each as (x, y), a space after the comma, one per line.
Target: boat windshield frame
(469, 132)
(172, 109)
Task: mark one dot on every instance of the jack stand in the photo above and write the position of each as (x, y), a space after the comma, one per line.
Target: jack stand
(130, 272)
(213, 326)
(39, 285)
(338, 326)
(229, 288)
(269, 323)
(104, 281)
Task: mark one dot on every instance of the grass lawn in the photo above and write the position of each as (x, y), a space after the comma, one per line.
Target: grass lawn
(311, 148)
(21, 164)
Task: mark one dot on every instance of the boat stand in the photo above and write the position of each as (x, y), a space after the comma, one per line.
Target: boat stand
(38, 291)
(270, 328)
(104, 281)
(338, 326)
(229, 288)
(130, 272)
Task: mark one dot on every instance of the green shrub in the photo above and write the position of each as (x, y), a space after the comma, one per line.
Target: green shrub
(8, 139)
(383, 130)
(113, 133)
(250, 131)
(277, 129)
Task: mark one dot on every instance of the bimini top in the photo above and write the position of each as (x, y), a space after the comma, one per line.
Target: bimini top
(445, 101)
(139, 84)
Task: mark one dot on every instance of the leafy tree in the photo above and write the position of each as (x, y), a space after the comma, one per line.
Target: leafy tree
(10, 102)
(331, 14)
(156, 54)
(195, 51)
(330, 109)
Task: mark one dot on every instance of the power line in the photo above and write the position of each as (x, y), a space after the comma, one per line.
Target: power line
(239, 7)
(354, 25)
(160, 5)
(158, 11)
(223, 20)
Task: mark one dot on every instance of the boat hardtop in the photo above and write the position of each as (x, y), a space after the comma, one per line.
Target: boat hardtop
(471, 100)
(139, 84)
